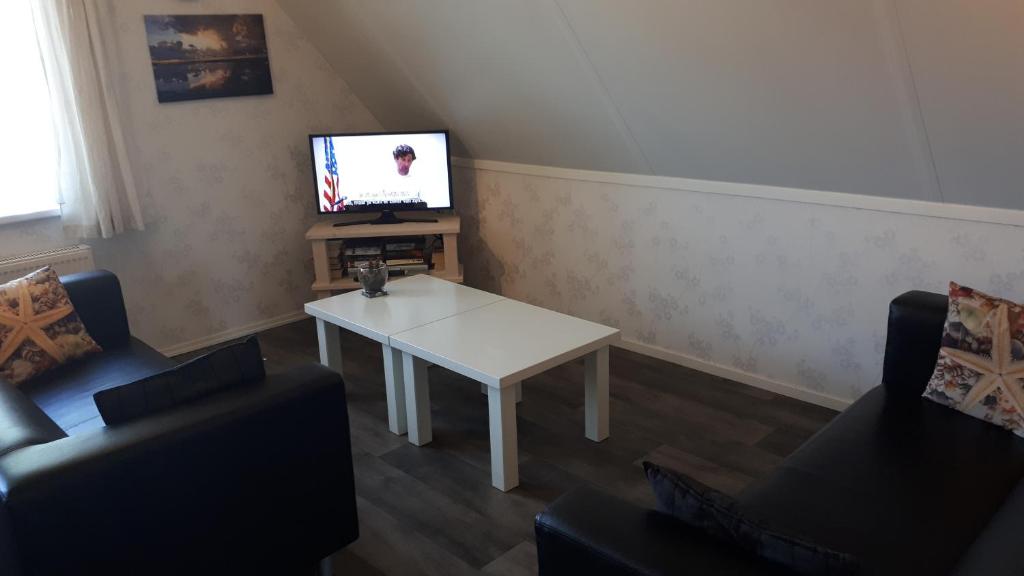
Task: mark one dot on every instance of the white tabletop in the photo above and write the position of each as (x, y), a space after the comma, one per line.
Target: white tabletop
(503, 342)
(411, 302)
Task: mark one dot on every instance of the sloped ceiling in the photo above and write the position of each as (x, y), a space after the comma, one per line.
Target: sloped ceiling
(918, 99)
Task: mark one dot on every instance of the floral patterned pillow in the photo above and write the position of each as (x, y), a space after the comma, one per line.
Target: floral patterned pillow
(39, 328)
(981, 363)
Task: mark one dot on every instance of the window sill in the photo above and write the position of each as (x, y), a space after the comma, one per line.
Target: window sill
(37, 215)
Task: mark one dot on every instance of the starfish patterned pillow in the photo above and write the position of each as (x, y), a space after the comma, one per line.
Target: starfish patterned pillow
(39, 328)
(980, 370)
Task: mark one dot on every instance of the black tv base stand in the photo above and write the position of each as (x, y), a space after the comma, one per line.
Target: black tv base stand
(386, 217)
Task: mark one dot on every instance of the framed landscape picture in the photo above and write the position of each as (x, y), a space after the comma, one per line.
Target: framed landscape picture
(208, 56)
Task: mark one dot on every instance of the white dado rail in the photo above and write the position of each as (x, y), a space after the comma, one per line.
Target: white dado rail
(823, 198)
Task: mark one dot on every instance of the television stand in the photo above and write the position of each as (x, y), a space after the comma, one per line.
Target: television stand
(386, 217)
(447, 225)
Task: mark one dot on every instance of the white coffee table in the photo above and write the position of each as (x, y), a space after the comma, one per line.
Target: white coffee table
(494, 340)
(411, 302)
(499, 345)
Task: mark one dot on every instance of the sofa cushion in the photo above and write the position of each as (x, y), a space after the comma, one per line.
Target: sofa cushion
(39, 328)
(65, 393)
(905, 487)
(980, 370)
(590, 532)
(720, 517)
(224, 368)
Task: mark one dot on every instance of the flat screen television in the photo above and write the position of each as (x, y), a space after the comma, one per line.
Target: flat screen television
(384, 172)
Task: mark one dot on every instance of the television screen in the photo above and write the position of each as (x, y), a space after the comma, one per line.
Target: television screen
(376, 172)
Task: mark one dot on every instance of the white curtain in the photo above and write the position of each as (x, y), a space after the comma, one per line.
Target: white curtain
(97, 188)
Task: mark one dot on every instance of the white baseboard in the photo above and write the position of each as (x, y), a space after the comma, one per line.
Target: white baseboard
(735, 374)
(232, 333)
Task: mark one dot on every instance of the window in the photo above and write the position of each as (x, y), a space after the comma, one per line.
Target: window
(28, 151)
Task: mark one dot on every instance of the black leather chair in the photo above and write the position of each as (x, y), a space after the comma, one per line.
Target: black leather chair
(254, 480)
(906, 485)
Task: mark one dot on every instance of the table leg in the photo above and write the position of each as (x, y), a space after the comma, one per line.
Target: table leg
(519, 391)
(501, 403)
(394, 387)
(596, 375)
(329, 338)
(417, 399)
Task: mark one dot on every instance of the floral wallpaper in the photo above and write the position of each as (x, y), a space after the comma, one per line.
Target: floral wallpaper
(791, 292)
(226, 184)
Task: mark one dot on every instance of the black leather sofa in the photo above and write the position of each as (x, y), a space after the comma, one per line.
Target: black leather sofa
(256, 480)
(906, 485)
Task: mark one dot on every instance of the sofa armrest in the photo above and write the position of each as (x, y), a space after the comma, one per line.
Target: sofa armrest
(98, 301)
(589, 532)
(255, 480)
(22, 423)
(912, 342)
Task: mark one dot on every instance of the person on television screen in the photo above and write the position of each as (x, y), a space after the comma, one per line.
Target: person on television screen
(404, 157)
(403, 186)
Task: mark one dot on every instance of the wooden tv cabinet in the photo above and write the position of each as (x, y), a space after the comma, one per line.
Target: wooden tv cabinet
(448, 225)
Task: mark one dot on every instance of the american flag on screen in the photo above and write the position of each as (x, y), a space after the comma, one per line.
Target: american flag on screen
(335, 202)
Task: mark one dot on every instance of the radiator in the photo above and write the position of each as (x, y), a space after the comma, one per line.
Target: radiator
(67, 260)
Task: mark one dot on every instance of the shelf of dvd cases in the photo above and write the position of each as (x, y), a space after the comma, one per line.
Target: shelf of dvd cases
(322, 233)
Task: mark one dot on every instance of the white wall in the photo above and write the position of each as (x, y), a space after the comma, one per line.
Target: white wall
(784, 289)
(898, 98)
(968, 63)
(227, 186)
(22, 237)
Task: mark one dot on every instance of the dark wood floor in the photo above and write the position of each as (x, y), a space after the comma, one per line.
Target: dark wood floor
(432, 510)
